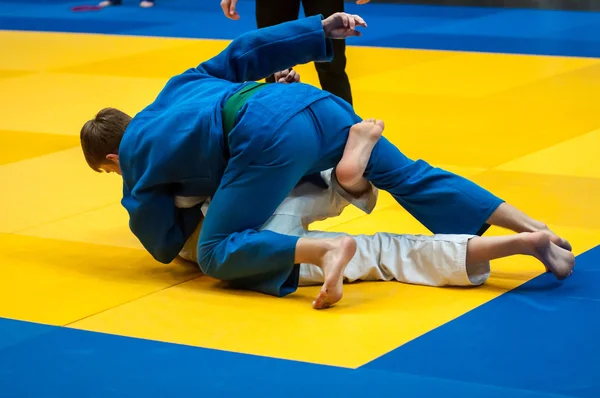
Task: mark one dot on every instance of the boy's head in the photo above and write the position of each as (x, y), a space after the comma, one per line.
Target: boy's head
(101, 137)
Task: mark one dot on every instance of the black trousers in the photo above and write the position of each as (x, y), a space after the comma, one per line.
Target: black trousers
(332, 75)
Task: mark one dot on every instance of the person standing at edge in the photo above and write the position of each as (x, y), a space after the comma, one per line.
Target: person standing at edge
(332, 75)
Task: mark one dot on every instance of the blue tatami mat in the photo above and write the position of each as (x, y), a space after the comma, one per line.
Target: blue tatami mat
(68, 363)
(542, 336)
(401, 26)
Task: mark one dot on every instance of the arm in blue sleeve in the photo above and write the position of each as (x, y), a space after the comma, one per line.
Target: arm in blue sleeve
(161, 227)
(260, 53)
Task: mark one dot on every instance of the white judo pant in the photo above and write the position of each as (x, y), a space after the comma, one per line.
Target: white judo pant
(438, 260)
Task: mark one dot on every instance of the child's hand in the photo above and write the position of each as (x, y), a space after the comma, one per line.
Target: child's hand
(287, 76)
(228, 7)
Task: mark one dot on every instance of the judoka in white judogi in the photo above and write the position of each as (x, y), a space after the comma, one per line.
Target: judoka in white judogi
(438, 260)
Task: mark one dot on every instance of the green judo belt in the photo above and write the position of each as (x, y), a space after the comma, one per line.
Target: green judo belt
(232, 107)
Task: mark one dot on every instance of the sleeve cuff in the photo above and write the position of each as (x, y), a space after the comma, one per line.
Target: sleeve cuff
(365, 202)
(326, 53)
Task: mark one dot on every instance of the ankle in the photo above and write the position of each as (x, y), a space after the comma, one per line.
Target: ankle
(535, 226)
(531, 240)
(312, 251)
(346, 172)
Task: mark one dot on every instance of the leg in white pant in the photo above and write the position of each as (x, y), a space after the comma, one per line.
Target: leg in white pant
(425, 260)
(438, 260)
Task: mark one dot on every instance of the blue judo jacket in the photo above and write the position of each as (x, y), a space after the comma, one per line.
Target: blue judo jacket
(175, 145)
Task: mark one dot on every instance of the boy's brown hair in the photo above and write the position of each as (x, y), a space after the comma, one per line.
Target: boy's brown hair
(102, 136)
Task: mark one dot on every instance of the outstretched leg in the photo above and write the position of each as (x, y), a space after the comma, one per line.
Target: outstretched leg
(442, 201)
(362, 138)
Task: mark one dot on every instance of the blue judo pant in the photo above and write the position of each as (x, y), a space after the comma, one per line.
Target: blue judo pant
(232, 249)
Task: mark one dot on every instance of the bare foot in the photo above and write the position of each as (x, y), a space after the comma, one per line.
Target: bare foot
(334, 263)
(557, 240)
(557, 260)
(362, 138)
(538, 226)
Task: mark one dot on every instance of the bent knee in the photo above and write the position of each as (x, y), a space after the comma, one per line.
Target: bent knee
(206, 254)
(215, 264)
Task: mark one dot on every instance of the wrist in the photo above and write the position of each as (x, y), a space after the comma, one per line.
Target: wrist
(324, 25)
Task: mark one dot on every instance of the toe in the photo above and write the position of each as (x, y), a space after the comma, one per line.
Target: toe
(320, 303)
